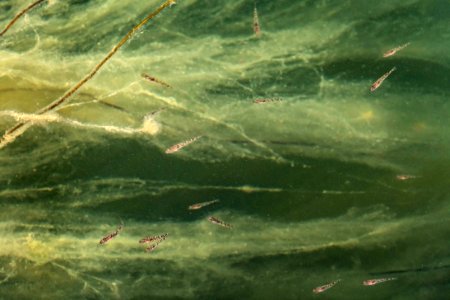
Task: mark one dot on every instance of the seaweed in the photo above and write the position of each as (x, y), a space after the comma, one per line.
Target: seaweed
(11, 134)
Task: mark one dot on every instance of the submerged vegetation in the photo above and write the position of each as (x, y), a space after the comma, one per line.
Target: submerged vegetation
(238, 141)
(19, 128)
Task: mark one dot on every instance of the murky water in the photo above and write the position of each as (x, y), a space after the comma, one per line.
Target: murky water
(332, 182)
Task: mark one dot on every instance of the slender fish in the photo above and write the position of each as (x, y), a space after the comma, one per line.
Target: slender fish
(256, 25)
(202, 204)
(380, 80)
(152, 247)
(371, 282)
(405, 177)
(178, 146)
(156, 80)
(159, 239)
(395, 50)
(266, 100)
(150, 239)
(112, 235)
(219, 222)
(325, 287)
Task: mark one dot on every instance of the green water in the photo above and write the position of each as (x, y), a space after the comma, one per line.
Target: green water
(310, 184)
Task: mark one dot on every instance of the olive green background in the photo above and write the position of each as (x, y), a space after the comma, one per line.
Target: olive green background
(309, 183)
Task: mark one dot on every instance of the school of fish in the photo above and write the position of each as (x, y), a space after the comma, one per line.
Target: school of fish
(152, 242)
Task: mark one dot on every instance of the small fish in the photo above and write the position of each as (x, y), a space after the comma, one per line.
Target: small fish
(395, 50)
(256, 26)
(405, 177)
(325, 287)
(371, 282)
(266, 100)
(177, 147)
(380, 80)
(202, 204)
(112, 235)
(159, 239)
(219, 222)
(151, 247)
(150, 239)
(153, 79)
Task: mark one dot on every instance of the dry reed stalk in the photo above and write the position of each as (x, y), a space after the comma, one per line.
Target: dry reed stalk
(21, 13)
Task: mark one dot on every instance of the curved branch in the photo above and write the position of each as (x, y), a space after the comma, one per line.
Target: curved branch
(21, 13)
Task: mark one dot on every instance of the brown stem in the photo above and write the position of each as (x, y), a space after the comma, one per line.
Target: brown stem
(21, 13)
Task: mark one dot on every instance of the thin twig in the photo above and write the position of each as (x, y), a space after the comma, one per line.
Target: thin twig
(6, 138)
(21, 13)
(153, 79)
